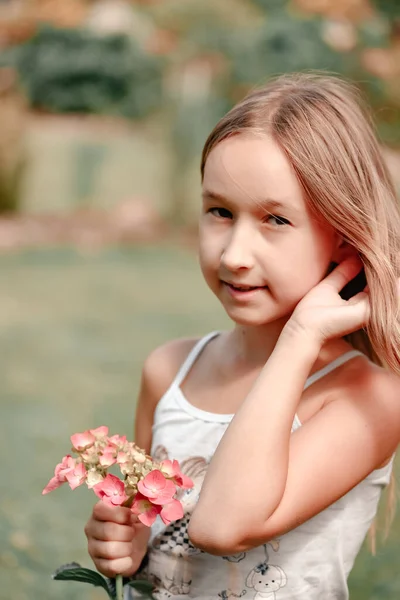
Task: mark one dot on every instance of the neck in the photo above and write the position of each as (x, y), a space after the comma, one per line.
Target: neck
(254, 345)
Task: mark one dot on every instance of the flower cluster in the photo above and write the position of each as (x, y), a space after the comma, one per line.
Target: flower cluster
(148, 487)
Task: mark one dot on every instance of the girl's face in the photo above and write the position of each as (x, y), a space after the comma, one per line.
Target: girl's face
(261, 248)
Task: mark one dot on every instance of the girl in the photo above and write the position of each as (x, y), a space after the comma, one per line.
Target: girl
(290, 417)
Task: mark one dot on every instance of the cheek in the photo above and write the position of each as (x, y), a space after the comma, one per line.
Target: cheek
(208, 258)
(307, 265)
(209, 248)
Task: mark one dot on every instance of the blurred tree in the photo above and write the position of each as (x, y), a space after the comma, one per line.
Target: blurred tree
(215, 65)
(76, 71)
(19, 19)
(368, 32)
(389, 8)
(12, 151)
(224, 49)
(194, 60)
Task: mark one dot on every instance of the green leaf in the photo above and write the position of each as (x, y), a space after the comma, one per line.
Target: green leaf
(67, 573)
(389, 8)
(144, 587)
(71, 71)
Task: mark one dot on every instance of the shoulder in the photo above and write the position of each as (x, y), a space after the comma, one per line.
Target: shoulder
(159, 370)
(363, 381)
(163, 363)
(374, 392)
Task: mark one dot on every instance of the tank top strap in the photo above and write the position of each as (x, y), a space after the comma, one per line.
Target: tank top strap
(340, 360)
(191, 358)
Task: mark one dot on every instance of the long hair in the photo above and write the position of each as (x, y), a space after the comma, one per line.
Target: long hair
(327, 135)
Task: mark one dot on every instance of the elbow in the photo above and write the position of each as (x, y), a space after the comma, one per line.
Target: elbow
(227, 538)
(219, 540)
(213, 541)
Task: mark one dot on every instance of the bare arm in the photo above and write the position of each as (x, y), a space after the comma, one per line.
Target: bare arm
(117, 541)
(264, 481)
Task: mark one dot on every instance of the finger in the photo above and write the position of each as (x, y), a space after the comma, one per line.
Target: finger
(344, 273)
(361, 308)
(362, 298)
(120, 566)
(110, 550)
(116, 514)
(109, 531)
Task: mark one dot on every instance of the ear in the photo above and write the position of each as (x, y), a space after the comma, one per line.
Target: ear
(343, 250)
(249, 580)
(283, 576)
(346, 250)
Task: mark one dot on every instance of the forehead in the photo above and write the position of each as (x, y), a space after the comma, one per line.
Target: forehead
(246, 167)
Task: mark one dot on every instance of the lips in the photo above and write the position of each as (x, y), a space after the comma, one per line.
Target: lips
(240, 287)
(240, 292)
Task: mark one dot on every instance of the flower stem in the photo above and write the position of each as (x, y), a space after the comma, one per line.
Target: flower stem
(119, 585)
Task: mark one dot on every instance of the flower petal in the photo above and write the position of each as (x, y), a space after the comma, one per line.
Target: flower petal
(148, 517)
(122, 457)
(186, 482)
(76, 476)
(107, 459)
(165, 495)
(167, 468)
(111, 490)
(67, 464)
(81, 441)
(99, 431)
(171, 469)
(171, 512)
(117, 440)
(93, 478)
(53, 484)
(146, 511)
(140, 504)
(152, 484)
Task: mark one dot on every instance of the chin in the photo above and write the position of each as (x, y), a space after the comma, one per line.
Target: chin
(254, 320)
(258, 316)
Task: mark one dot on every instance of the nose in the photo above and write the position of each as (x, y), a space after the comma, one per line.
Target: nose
(238, 253)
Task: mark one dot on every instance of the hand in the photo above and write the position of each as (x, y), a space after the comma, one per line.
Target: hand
(117, 541)
(323, 314)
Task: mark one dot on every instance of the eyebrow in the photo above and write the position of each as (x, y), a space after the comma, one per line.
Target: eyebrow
(266, 203)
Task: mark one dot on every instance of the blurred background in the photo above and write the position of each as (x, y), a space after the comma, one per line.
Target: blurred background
(104, 107)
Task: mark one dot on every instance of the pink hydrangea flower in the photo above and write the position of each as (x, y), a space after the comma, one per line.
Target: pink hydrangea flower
(122, 458)
(110, 448)
(108, 458)
(146, 511)
(172, 470)
(151, 495)
(93, 477)
(117, 440)
(171, 512)
(99, 432)
(84, 440)
(90, 455)
(157, 488)
(76, 476)
(111, 491)
(138, 457)
(65, 466)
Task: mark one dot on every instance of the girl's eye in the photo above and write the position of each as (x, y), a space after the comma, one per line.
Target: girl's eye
(220, 212)
(277, 221)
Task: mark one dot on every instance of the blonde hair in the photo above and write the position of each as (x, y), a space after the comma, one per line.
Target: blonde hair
(319, 121)
(329, 139)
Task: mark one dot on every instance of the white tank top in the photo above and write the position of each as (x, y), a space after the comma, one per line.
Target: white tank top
(311, 562)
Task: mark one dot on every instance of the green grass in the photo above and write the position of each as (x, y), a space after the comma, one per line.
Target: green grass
(74, 331)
